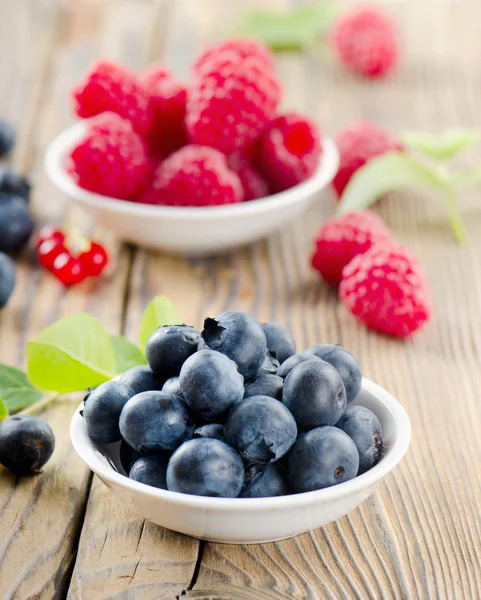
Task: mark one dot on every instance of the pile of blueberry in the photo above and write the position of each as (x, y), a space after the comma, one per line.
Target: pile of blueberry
(234, 411)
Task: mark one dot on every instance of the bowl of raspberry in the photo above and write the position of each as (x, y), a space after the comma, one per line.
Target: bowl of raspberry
(197, 168)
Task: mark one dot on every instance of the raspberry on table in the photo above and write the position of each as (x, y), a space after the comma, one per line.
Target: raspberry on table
(243, 47)
(231, 102)
(253, 183)
(112, 87)
(194, 176)
(342, 238)
(366, 42)
(357, 143)
(385, 288)
(289, 151)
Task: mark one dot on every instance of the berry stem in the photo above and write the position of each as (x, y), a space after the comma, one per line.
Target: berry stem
(37, 406)
(455, 220)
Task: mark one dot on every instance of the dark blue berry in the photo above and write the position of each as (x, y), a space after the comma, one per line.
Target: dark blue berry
(261, 429)
(320, 458)
(7, 278)
(26, 444)
(141, 379)
(264, 481)
(16, 223)
(269, 366)
(205, 467)
(151, 470)
(363, 427)
(211, 430)
(314, 393)
(102, 411)
(211, 384)
(154, 422)
(7, 137)
(12, 184)
(172, 386)
(128, 456)
(240, 337)
(265, 385)
(345, 363)
(279, 341)
(293, 361)
(169, 347)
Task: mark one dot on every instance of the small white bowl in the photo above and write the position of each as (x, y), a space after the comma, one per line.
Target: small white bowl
(189, 230)
(251, 520)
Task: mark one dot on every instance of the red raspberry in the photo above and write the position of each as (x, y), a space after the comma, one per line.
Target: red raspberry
(167, 104)
(231, 102)
(366, 42)
(289, 151)
(342, 238)
(385, 288)
(357, 143)
(111, 161)
(253, 184)
(112, 87)
(109, 122)
(243, 47)
(194, 176)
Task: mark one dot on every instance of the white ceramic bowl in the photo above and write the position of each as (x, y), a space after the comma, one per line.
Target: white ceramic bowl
(189, 230)
(251, 520)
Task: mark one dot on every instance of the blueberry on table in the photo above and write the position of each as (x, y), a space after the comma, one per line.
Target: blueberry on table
(314, 393)
(264, 482)
(172, 385)
(7, 278)
(265, 385)
(151, 470)
(345, 363)
(211, 430)
(363, 427)
(205, 467)
(7, 137)
(141, 379)
(279, 341)
(16, 223)
(240, 337)
(26, 443)
(12, 184)
(169, 347)
(102, 411)
(320, 458)
(270, 365)
(294, 360)
(128, 456)
(261, 429)
(211, 384)
(155, 422)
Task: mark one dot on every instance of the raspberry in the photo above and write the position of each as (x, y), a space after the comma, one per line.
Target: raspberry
(109, 160)
(386, 289)
(194, 176)
(253, 184)
(288, 151)
(231, 102)
(357, 143)
(167, 104)
(366, 42)
(341, 239)
(109, 122)
(243, 47)
(112, 87)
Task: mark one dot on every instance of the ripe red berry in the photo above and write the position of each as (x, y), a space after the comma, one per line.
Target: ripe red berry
(253, 183)
(49, 233)
(68, 269)
(95, 259)
(242, 47)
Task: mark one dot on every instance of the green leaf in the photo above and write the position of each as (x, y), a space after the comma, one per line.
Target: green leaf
(3, 410)
(72, 354)
(16, 390)
(463, 179)
(127, 355)
(159, 311)
(382, 174)
(289, 30)
(444, 146)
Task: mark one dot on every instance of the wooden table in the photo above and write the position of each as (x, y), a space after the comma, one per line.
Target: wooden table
(63, 533)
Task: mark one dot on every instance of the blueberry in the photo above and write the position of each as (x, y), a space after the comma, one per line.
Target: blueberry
(261, 429)
(206, 467)
(16, 223)
(211, 384)
(345, 363)
(211, 430)
(264, 481)
(314, 393)
(7, 137)
(279, 341)
(151, 470)
(7, 278)
(102, 411)
(172, 386)
(294, 360)
(153, 422)
(169, 347)
(265, 385)
(269, 366)
(12, 184)
(363, 427)
(240, 337)
(128, 456)
(141, 379)
(26, 443)
(320, 458)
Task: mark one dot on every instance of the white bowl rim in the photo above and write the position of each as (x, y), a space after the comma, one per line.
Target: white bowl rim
(392, 457)
(54, 165)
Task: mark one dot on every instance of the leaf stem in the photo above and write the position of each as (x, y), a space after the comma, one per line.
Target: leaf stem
(455, 220)
(37, 406)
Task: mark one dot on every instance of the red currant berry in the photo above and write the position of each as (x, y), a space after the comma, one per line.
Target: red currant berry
(50, 233)
(68, 270)
(48, 251)
(95, 260)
